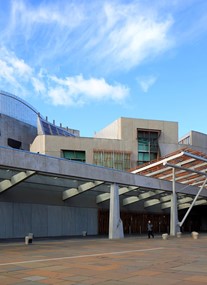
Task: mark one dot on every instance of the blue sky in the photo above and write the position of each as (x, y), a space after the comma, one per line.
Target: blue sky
(86, 63)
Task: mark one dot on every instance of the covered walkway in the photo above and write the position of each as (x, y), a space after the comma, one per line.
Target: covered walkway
(32, 179)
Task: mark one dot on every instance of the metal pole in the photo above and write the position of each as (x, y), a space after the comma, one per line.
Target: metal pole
(191, 206)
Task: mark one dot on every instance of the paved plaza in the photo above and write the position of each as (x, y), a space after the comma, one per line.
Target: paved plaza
(85, 260)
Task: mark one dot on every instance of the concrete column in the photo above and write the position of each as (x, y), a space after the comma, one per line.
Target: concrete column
(174, 209)
(115, 222)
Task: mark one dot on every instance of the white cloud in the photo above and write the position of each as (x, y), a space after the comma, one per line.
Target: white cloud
(59, 97)
(13, 71)
(16, 65)
(78, 90)
(146, 82)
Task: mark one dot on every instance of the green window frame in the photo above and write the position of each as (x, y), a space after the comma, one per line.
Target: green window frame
(75, 155)
(148, 147)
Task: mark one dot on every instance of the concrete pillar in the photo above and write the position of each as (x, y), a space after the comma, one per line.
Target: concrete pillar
(115, 222)
(174, 209)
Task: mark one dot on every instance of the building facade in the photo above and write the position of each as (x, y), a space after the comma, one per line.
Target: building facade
(123, 145)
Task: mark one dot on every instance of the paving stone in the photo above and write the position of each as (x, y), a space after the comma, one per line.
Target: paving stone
(35, 278)
(95, 261)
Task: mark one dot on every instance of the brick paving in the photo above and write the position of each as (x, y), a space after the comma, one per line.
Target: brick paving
(85, 261)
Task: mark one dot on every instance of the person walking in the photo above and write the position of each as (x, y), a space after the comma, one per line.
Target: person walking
(150, 229)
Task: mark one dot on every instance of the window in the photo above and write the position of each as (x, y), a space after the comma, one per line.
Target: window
(148, 148)
(14, 144)
(76, 155)
(120, 160)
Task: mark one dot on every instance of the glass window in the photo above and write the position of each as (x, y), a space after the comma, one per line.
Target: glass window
(148, 147)
(17, 108)
(74, 155)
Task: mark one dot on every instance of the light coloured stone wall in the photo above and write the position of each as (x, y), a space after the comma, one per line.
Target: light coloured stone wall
(38, 145)
(169, 130)
(124, 128)
(199, 140)
(54, 145)
(195, 140)
(112, 131)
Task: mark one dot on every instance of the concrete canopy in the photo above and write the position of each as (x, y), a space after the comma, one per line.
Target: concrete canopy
(53, 180)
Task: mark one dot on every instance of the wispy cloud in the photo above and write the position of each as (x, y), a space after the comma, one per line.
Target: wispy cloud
(131, 34)
(112, 35)
(43, 32)
(38, 85)
(106, 35)
(64, 14)
(13, 71)
(146, 82)
(71, 39)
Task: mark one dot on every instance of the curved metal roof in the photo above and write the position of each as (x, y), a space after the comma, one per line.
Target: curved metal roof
(17, 108)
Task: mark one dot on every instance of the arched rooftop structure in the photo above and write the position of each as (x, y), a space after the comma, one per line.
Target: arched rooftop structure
(17, 108)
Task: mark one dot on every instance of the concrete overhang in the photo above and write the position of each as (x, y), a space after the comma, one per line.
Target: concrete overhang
(73, 179)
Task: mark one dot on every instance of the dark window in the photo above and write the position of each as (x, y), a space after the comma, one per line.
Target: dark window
(14, 144)
(77, 155)
(148, 147)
